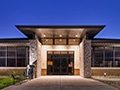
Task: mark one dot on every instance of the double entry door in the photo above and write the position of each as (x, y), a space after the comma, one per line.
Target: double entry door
(60, 62)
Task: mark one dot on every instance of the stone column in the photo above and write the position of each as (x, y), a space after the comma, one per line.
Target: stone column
(39, 45)
(35, 55)
(85, 58)
(32, 51)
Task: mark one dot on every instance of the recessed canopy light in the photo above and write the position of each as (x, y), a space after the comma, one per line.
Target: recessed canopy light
(60, 39)
(76, 35)
(44, 35)
(60, 35)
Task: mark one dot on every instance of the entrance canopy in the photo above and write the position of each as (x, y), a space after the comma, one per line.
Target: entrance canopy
(60, 35)
(60, 32)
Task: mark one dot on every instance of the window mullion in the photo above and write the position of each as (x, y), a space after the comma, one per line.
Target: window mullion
(6, 57)
(16, 57)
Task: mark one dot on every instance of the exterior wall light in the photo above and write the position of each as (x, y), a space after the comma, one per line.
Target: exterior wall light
(105, 74)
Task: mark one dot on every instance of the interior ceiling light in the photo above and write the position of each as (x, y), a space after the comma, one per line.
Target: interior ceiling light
(46, 39)
(60, 35)
(44, 35)
(60, 39)
(74, 40)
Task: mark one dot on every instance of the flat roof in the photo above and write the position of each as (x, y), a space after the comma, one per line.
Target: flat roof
(104, 40)
(64, 30)
(14, 40)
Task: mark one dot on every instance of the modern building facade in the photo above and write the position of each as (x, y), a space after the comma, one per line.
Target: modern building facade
(61, 50)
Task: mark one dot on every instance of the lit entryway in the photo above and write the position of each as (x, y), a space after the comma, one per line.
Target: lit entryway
(60, 63)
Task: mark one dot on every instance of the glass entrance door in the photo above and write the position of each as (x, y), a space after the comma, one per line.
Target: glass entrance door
(64, 63)
(60, 62)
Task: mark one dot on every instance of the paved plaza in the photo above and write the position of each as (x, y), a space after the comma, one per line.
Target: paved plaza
(61, 83)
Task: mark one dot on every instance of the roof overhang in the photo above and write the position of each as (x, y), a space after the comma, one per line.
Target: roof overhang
(65, 31)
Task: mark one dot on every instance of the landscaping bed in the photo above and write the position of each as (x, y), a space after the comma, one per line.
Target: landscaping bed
(110, 80)
(4, 82)
(115, 84)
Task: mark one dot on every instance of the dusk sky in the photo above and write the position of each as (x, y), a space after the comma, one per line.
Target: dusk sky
(59, 12)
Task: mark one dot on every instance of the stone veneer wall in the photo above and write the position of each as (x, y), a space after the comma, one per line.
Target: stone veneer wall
(85, 58)
(76, 72)
(81, 59)
(44, 72)
(32, 51)
(11, 71)
(110, 71)
(38, 73)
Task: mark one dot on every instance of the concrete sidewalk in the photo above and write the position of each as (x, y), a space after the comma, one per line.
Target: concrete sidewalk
(61, 83)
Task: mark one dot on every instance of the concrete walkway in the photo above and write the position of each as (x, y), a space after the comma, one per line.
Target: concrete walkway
(61, 83)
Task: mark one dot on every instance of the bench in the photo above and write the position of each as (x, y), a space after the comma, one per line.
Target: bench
(23, 76)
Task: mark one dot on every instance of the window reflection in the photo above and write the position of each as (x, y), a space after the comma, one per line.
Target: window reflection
(11, 53)
(2, 62)
(2, 53)
(11, 62)
(20, 62)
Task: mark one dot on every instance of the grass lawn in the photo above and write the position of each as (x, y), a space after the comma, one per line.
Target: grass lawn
(4, 82)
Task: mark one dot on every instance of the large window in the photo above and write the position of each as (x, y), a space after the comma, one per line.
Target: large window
(2, 56)
(117, 57)
(108, 57)
(105, 57)
(74, 41)
(60, 41)
(98, 61)
(47, 41)
(13, 56)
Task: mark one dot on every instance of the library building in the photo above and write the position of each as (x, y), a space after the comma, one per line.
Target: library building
(61, 50)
